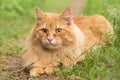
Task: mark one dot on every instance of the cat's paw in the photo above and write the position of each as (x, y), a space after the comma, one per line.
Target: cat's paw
(49, 70)
(36, 72)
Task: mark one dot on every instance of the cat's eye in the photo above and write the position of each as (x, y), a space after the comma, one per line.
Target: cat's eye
(58, 30)
(44, 30)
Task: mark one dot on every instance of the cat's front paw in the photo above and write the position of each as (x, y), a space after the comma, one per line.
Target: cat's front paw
(36, 72)
(49, 70)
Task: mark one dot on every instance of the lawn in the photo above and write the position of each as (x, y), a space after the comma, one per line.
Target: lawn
(17, 17)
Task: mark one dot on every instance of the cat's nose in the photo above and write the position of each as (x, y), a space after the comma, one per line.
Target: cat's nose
(50, 39)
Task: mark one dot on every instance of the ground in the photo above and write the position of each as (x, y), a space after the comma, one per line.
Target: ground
(14, 71)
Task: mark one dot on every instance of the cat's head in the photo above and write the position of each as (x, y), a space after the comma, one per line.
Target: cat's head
(53, 31)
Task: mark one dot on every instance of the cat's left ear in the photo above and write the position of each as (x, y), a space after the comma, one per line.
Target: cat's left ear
(67, 15)
(39, 14)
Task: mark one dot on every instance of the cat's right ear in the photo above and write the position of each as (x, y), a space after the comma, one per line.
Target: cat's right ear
(67, 15)
(39, 14)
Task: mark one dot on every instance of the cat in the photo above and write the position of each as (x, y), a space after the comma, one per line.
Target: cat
(61, 38)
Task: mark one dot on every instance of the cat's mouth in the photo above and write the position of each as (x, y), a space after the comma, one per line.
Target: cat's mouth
(55, 44)
(52, 46)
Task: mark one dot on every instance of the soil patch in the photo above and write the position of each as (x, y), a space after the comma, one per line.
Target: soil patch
(12, 70)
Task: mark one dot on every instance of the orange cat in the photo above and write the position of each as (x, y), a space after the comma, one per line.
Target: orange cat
(61, 38)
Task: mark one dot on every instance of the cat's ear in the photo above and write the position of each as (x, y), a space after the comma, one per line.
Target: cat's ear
(67, 15)
(39, 14)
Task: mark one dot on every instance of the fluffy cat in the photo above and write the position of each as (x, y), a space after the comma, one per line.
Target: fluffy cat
(61, 38)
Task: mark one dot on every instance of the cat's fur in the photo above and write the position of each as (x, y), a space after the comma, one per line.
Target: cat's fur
(64, 40)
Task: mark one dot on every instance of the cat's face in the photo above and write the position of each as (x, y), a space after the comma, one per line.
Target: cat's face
(54, 31)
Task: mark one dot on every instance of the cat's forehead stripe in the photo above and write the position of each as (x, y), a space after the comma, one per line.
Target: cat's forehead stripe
(51, 23)
(52, 20)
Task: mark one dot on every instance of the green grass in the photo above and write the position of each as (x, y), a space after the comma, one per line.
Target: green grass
(18, 16)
